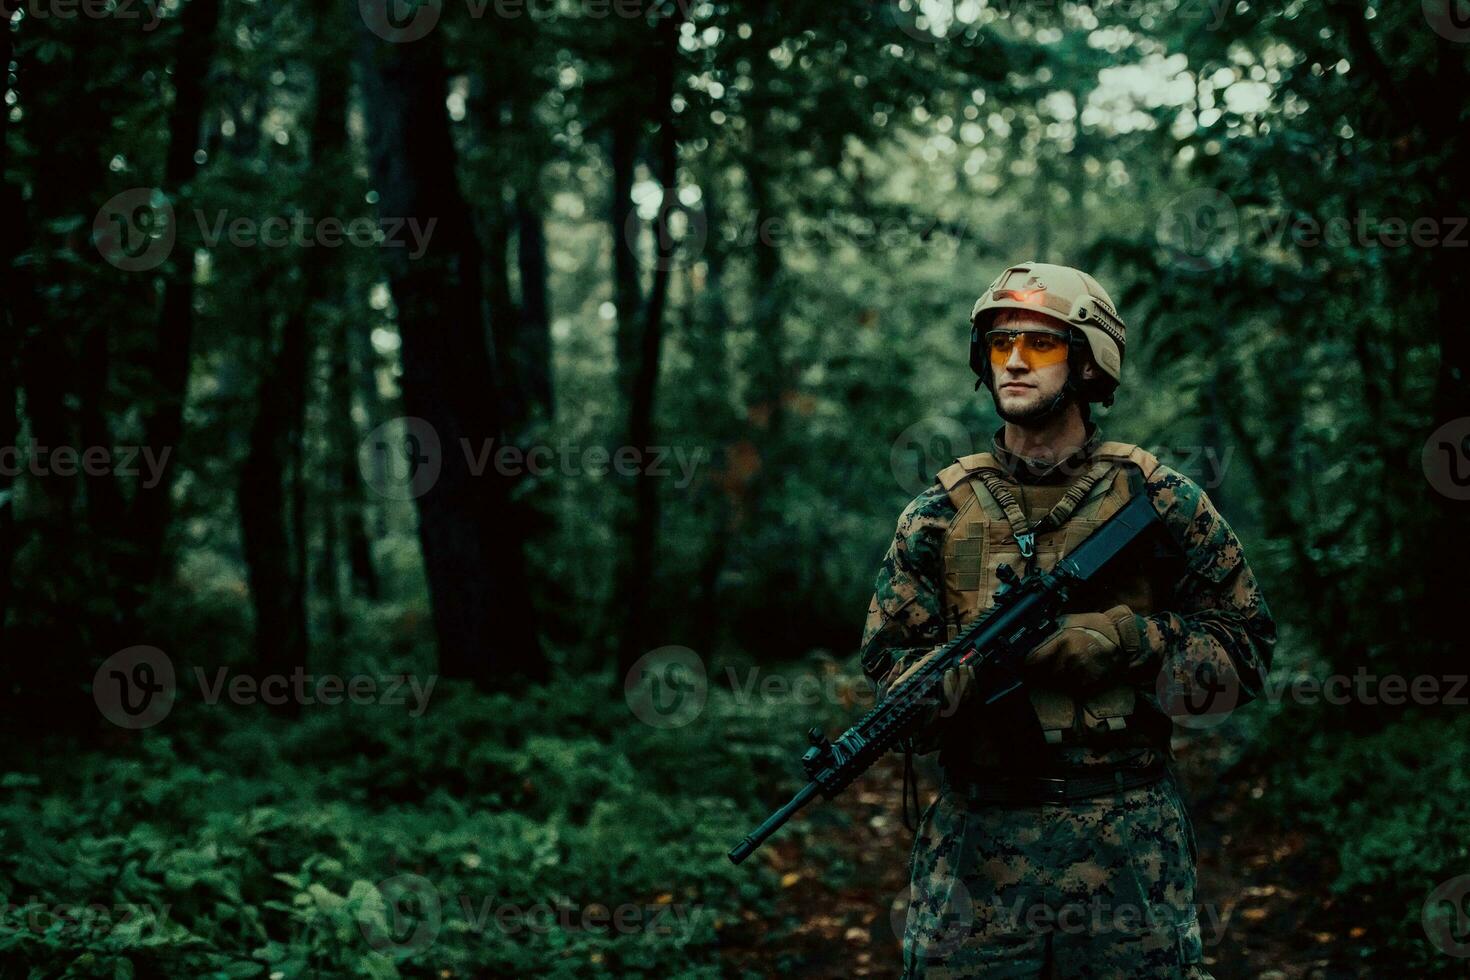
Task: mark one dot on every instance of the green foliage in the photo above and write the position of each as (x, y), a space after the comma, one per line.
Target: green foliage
(273, 848)
(1389, 808)
(800, 372)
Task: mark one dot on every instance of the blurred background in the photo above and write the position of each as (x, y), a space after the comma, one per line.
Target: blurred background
(446, 449)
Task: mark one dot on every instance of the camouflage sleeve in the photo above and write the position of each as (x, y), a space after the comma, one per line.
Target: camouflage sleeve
(1219, 626)
(905, 618)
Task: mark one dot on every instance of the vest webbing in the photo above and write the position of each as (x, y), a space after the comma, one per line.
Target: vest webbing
(1024, 531)
(1116, 472)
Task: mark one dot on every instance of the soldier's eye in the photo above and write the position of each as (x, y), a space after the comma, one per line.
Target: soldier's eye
(1041, 342)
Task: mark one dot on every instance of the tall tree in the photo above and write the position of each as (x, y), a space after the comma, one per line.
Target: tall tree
(273, 485)
(345, 527)
(471, 540)
(163, 424)
(637, 575)
(505, 154)
(535, 360)
(12, 217)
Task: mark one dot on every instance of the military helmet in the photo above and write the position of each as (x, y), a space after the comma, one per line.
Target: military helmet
(1065, 294)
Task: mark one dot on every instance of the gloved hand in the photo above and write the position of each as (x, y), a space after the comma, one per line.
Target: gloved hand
(958, 682)
(956, 686)
(1087, 651)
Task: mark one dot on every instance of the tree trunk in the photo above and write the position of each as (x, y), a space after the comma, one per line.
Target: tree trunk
(627, 293)
(766, 410)
(273, 482)
(472, 542)
(496, 220)
(768, 371)
(106, 507)
(708, 347)
(635, 577)
(351, 502)
(504, 317)
(49, 338)
(10, 325)
(1450, 275)
(535, 366)
(163, 425)
(270, 517)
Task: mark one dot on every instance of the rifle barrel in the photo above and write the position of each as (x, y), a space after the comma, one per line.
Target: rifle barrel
(772, 824)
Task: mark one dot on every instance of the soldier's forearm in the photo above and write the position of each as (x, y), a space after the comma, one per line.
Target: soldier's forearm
(1229, 645)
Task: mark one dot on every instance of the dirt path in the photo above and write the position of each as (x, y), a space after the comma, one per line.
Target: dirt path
(1263, 908)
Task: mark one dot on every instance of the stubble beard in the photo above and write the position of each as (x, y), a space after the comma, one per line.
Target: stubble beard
(1039, 411)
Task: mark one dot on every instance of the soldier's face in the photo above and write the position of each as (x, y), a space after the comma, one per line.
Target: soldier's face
(1025, 384)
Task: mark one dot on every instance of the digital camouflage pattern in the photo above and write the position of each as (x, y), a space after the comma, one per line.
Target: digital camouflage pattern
(991, 882)
(1219, 624)
(1097, 888)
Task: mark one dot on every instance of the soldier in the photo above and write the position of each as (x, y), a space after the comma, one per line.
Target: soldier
(1058, 845)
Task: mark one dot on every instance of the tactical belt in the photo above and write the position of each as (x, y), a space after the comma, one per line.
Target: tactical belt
(1025, 789)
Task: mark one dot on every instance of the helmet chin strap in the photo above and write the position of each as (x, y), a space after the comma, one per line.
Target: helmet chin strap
(1053, 407)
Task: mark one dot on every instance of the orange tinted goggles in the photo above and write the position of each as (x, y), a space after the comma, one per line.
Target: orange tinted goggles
(1037, 349)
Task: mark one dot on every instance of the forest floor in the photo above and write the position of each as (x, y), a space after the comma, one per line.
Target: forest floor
(1265, 910)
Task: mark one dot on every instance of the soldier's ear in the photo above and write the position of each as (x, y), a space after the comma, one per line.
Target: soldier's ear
(1089, 371)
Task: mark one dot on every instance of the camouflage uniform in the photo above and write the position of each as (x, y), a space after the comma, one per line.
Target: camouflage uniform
(1098, 887)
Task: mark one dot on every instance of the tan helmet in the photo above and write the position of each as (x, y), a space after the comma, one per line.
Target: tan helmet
(1065, 294)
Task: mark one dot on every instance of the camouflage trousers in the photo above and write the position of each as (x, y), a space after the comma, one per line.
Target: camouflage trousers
(1094, 888)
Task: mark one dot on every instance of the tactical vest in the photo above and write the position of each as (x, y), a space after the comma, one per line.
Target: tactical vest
(990, 529)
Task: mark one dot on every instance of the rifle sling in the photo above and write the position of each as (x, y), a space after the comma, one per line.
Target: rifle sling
(1022, 529)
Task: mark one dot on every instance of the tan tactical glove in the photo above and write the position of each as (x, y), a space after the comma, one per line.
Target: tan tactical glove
(958, 682)
(1088, 651)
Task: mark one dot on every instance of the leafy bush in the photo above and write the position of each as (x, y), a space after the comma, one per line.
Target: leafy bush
(1391, 805)
(320, 846)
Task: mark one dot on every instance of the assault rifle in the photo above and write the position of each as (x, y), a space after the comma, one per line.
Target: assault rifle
(1025, 613)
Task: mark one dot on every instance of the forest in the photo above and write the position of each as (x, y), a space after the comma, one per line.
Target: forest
(446, 447)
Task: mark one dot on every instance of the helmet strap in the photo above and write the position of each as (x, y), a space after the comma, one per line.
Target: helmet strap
(1053, 407)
